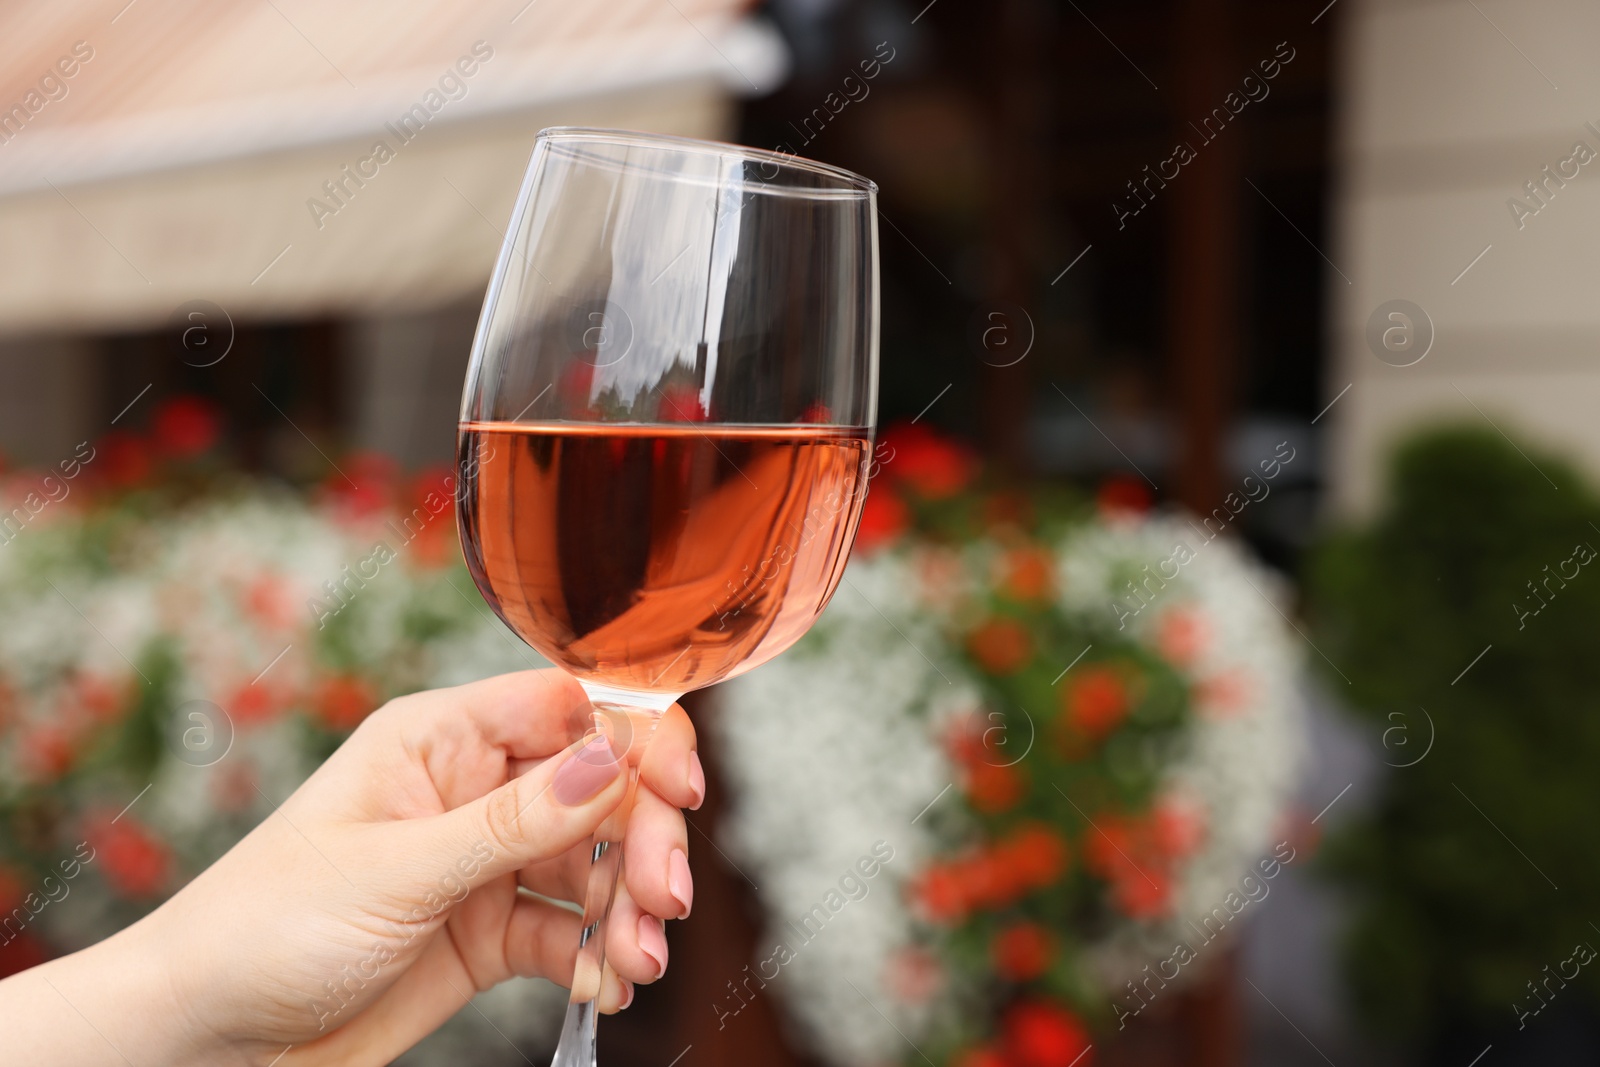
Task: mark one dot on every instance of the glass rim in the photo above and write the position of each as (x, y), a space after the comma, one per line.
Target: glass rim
(850, 184)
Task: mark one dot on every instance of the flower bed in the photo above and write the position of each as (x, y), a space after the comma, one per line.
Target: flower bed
(1071, 738)
(185, 646)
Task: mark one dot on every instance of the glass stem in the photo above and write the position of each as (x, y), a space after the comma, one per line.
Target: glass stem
(629, 721)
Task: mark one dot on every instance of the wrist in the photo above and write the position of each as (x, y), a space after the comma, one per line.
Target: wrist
(113, 1003)
(130, 988)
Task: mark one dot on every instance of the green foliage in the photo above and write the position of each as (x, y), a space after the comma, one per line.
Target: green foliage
(1456, 869)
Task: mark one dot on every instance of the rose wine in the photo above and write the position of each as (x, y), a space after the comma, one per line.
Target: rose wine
(658, 557)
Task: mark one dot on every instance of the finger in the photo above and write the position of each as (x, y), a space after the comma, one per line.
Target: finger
(562, 878)
(529, 714)
(541, 941)
(671, 765)
(654, 830)
(636, 941)
(673, 747)
(616, 992)
(532, 818)
(656, 851)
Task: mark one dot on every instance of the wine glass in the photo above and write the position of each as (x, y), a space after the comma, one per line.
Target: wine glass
(665, 430)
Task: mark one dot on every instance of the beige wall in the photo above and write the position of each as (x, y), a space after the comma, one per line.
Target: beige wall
(1443, 119)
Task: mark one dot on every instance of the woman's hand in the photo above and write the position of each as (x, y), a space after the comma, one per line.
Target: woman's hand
(384, 892)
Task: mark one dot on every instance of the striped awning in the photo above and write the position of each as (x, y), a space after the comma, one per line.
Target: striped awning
(288, 157)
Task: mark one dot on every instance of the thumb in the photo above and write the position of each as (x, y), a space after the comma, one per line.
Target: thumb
(536, 816)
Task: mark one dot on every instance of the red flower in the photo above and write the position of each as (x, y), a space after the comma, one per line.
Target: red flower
(940, 893)
(1000, 645)
(884, 516)
(933, 466)
(136, 863)
(1040, 1034)
(185, 426)
(100, 698)
(434, 478)
(122, 459)
(1037, 853)
(1022, 951)
(988, 880)
(994, 789)
(343, 701)
(269, 601)
(962, 738)
(1029, 574)
(1136, 855)
(1176, 828)
(1096, 701)
(1181, 635)
(363, 485)
(253, 703)
(1123, 496)
(1144, 892)
(1107, 844)
(47, 752)
(982, 1056)
(433, 546)
(1031, 858)
(429, 522)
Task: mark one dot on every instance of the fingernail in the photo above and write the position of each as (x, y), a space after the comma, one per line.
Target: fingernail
(697, 781)
(627, 989)
(586, 772)
(653, 940)
(679, 883)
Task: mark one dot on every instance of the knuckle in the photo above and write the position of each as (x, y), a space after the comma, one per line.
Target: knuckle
(392, 714)
(504, 819)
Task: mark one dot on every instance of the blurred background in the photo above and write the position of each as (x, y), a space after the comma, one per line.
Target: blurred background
(1144, 244)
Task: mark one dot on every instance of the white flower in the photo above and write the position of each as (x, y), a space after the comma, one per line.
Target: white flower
(833, 748)
(226, 586)
(835, 745)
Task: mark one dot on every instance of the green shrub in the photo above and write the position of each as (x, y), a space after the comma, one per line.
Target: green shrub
(1456, 913)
